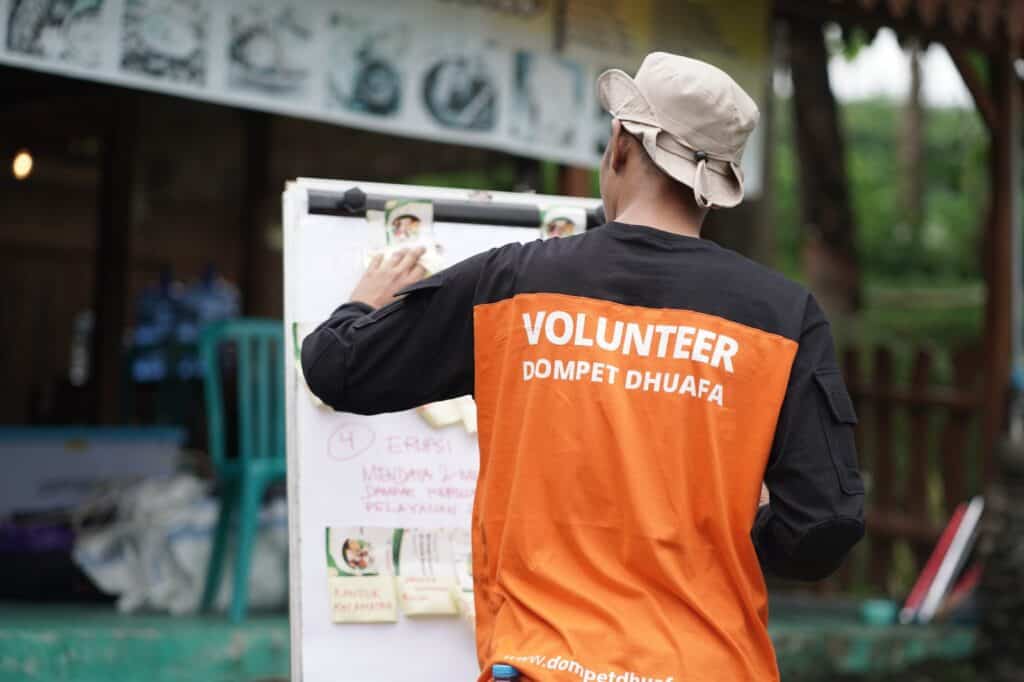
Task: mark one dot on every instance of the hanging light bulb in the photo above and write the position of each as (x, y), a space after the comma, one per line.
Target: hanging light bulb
(22, 164)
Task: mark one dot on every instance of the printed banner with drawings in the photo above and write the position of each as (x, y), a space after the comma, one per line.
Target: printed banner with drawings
(482, 73)
(380, 506)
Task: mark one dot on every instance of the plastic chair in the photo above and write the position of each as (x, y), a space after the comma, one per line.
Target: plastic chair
(259, 459)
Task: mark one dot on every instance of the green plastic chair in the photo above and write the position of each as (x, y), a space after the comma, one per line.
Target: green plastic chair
(259, 460)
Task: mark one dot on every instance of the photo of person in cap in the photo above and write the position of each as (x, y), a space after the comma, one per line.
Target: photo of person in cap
(404, 228)
(408, 223)
(560, 221)
(619, 526)
(559, 227)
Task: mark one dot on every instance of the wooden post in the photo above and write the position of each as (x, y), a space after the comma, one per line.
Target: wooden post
(830, 251)
(953, 442)
(765, 238)
(912, 149)
(113, 255)
(1001, 261)
(848, 573)
(882, 469)
(574, 182)
(916, 488)
(255, 169)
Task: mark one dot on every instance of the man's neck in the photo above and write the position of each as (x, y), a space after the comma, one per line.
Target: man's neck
(661, 215)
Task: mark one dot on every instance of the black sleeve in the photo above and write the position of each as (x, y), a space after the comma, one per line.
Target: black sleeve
(416, 350)
(816, 513)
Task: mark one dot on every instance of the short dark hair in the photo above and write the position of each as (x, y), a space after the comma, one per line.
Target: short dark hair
(683, 191)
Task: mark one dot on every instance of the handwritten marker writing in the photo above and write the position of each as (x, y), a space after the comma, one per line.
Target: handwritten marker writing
(501, 671)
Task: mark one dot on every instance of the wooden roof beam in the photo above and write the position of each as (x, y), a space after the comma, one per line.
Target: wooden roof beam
(877, 15)
(929, 11)
(983, 99)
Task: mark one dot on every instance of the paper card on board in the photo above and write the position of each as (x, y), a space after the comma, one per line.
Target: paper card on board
(360, 570)
(299, 333)
(377, 234)
(406, 225)
(409, 223)
(462, 556)
(367, 599)
(440, 414)
(562, 221)
(467, 410)
(426, 573)
(461, 410)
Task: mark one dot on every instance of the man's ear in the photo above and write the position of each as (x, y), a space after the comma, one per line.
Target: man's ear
(618, 147)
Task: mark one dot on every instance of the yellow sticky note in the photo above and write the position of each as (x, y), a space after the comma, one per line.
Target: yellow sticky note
(363, 599)
(426, 596)
(467, 410)
(465, 604)
(426, 575)
(441, 414)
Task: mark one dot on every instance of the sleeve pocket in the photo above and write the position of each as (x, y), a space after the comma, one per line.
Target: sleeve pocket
(837, 420)
(429, 284)
(377, 315)
(435, 282)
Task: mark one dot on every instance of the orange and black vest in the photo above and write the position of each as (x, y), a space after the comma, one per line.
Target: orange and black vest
(634, 389)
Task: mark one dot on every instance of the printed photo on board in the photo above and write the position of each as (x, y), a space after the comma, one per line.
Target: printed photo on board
(358, 551)
(563, 222)
(57, 29)
(409, 223)
(360, 574)
(271, 47)
(166, 39)
(366, 71)
(405, 227)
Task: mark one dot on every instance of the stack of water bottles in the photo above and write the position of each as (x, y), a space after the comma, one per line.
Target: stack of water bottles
(169, 317)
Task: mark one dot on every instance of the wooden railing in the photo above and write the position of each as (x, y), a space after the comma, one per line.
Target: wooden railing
(912, 438)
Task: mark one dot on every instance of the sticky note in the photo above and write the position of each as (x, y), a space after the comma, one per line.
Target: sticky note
(363, 599)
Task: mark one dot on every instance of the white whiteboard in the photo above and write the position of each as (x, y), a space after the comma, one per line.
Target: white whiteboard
(333, 457)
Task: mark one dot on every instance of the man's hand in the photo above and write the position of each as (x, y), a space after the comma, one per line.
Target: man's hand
(765, 497)
(384, 278)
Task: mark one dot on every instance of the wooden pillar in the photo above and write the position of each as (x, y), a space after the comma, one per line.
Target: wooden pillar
(764, 247)
(999, 103)
(255, 170)
(1002, 244)
(112, 278)
(574, 182)
(830, 245)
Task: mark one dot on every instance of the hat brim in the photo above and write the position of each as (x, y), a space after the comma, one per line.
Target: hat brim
(621, 97)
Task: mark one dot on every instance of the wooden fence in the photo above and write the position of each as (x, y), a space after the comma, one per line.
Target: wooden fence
(918, 447)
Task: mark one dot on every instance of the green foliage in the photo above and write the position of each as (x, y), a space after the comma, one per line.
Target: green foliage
(847, 42)
(956, 192)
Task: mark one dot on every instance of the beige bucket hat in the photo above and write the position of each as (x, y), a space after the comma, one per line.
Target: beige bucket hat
(692, 118)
